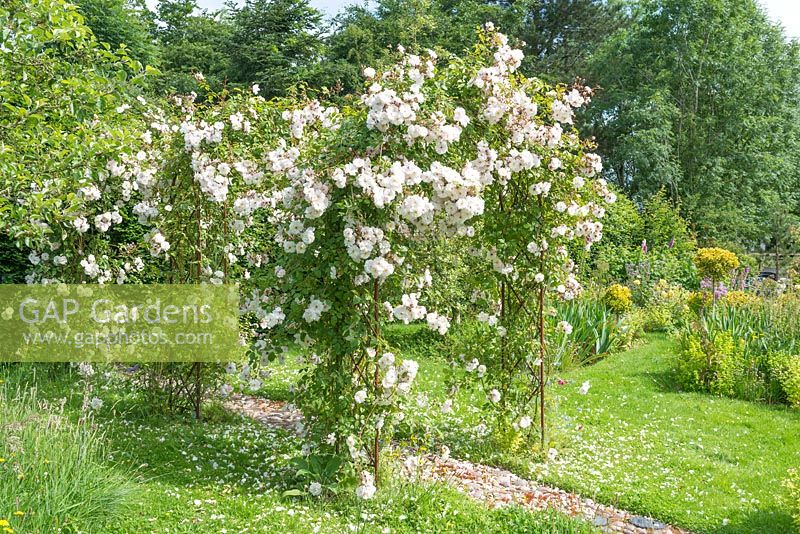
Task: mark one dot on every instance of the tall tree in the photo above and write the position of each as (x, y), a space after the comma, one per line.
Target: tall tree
(561, 35)
(122, 22)
(193, 41)
(274, 43)
(700, 97)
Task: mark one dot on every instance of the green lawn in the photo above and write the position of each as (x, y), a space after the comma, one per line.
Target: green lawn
(228, 475)
(709, 464)
(690, 459)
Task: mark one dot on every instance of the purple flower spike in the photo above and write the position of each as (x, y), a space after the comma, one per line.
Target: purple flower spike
(644, 246)
(671, 242)
(720, 291)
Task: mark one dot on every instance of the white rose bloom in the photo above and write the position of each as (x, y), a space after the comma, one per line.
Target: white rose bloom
(361, 396)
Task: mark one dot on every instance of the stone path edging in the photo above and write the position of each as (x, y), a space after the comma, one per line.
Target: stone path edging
(493, 486)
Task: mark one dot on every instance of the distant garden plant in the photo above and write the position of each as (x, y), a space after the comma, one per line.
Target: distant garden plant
(618, 298)
(745, 347)
(715, 264)
(792, 486)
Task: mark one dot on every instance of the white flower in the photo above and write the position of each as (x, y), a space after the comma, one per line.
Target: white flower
(86, 370)
(562, 112)
(89, 193)
(386, 361)
(96, 403)
(273, 318)
(103, 221)
(437, 322)
(494, 396)
(525, 422)
(390, 378)
(315, 489)
(541, 188)
(584, 388)
(361, 396)
(81, 224)
(90, 266)
(565, 327)
(460, 116)
(314, 310)
(447, 406)
(378, 268)
(256, 89)
(369, 73)
(409, 310)
(158, 243)
(367, 488)
(574, 98)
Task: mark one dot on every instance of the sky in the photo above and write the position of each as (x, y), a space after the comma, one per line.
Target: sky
(784, 12)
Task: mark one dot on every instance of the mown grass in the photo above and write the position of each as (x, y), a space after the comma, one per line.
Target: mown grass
(709, 464)
(228, 475)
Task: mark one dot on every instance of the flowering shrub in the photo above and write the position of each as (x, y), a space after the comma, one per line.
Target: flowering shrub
(175, 205)
(427, 150)
(739, 298)
(715, 263)
(618, 298)
(792, 485)
(786, 369)
(743, 349)
(66, 109)
(540, 194)
(322, 215)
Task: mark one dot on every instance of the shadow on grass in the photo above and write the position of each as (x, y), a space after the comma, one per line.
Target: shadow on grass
(759, 522)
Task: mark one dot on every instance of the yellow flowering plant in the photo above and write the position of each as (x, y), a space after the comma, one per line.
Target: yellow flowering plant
(618, 298)
(715, 263)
